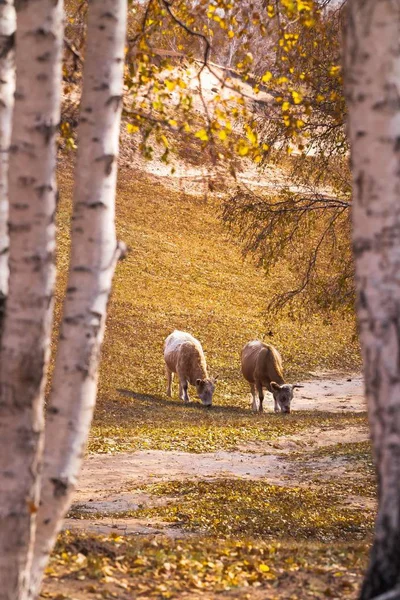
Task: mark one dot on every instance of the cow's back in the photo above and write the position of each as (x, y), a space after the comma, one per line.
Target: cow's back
(269, 366)
(261, 362)
(249, 357)
(173, 345)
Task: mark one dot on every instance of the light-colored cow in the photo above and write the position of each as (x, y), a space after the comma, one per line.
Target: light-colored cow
(262, 367)
(184, 355)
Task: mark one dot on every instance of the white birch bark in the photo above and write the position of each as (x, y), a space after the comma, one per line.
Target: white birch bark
(94, 255)
(27, 326)
(7, 88)
(372, 85)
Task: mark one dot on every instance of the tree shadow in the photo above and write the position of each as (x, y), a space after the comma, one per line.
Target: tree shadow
(161, 402)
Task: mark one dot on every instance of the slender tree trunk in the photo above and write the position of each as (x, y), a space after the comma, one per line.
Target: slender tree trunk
(372, 84)
(94, 255)
(7, 88)
(26, 333)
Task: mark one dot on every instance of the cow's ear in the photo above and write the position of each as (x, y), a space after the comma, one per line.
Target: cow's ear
(198, 381)
(275, 386)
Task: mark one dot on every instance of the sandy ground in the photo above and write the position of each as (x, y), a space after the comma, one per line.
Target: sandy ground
(331, 394)
(111, 484)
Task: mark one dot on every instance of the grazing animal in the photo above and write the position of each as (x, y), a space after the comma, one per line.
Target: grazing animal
(184, 355)
(262, 367)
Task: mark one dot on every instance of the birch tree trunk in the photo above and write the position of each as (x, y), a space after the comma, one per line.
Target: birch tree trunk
(372, 86)
(7, 88)
(94, 255)
(26, 333)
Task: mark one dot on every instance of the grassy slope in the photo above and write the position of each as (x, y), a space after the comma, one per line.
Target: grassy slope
(183, 272)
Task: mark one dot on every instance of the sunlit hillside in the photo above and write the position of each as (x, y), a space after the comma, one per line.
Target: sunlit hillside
(182, 271)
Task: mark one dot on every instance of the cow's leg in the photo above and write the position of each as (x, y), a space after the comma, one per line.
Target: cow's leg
(260, 397)
(183, 389)
(254, 404)
(276, 406)
(170, 378)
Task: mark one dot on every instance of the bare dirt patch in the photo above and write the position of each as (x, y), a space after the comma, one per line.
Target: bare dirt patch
(332, 394)
(110, 484)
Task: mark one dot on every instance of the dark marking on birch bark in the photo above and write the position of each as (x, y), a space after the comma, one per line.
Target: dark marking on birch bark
(41, 190)
(391, 101)
(26, 180)
(3, 303)
(42, 33)
(109, 15)
(19, 227)
(116, 100)
(72, 290)
(360, 185)
(361, 245)
(102, 87)
(60, 487)
(7, 43)
(82, 269)
(44, 57)
(47, 130)
(76, 320)
(109, 161)
(97, 204)
(53, 410)
(27, 438)
(7, 394)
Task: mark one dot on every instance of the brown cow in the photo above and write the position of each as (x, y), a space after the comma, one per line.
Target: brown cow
(262, 367)
(184, 355)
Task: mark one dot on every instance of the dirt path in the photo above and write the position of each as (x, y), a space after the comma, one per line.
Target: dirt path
(332, 394)
(110, 484)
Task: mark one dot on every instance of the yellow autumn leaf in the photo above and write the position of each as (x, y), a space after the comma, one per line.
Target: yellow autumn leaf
(264, 568)
(297, 97)
(131, 128)
(171, 85)
(251, 135)
(285, 106)
(202, 135)
(222, 134)
(231, 34)
(266, 77)
(243, 149)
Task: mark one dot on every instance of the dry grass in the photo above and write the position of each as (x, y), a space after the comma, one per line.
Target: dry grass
(183, 272)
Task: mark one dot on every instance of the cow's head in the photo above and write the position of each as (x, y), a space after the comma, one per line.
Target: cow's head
(283, 394)
(205, 389)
